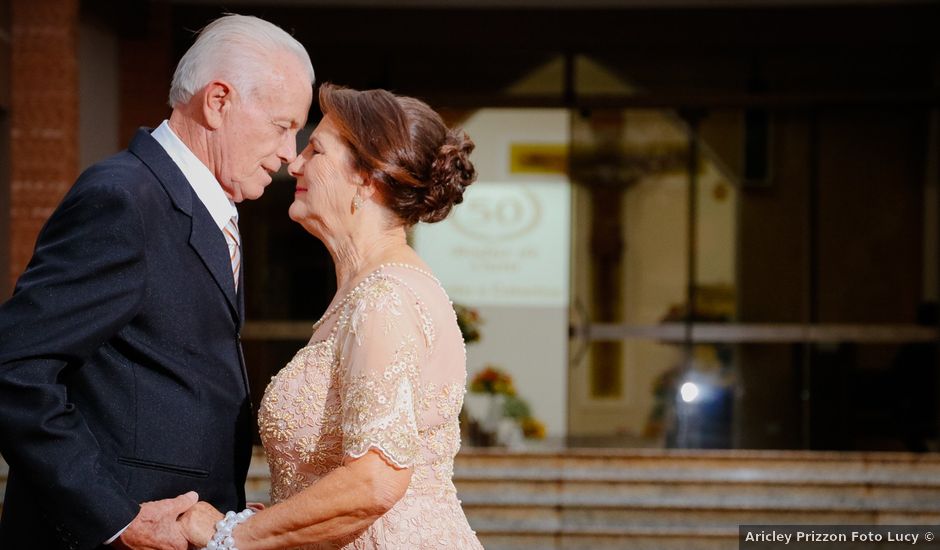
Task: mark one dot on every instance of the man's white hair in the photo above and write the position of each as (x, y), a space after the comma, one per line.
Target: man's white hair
(236, 48)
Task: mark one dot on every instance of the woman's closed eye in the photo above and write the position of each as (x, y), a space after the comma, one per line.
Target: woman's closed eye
(309, 151)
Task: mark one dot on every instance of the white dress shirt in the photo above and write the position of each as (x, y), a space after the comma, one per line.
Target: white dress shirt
(207, 188)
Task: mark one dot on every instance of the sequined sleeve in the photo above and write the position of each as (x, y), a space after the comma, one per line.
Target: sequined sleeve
(382, 350)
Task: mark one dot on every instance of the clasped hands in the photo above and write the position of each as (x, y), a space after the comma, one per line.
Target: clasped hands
(177, 523)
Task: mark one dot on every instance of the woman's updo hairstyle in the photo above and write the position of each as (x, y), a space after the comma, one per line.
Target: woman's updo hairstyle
(421, 167)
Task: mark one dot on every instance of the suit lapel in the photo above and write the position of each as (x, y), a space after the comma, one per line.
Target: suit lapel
(209, 244)
(205, 238)
(241, 289)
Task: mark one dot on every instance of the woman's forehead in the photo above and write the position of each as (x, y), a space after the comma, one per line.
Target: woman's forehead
(326, 129)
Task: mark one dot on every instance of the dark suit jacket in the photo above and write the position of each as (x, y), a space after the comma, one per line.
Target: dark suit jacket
(121, 373)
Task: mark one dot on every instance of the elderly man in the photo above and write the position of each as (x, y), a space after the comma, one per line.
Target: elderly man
(123, 390)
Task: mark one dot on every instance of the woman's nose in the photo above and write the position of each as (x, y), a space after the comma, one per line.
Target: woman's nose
(295, 168)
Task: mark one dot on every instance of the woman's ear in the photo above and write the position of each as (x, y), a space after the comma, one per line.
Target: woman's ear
(216, 102)
(367, 186)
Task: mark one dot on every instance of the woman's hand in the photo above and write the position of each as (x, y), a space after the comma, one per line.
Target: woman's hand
(198, 523)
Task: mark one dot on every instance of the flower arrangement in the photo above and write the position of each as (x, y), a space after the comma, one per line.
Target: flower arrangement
(516, 407)
(533, 428)
(492, 380)
(469, 321)
(497, 382)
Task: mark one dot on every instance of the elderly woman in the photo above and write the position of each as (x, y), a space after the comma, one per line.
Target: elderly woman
(360, 428)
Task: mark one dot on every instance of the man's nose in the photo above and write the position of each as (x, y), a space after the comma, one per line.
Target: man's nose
(287, 152)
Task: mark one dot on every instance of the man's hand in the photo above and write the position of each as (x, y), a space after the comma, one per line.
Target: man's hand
(155, 526)
(198, 523)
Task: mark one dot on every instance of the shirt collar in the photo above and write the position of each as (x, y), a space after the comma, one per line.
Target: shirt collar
(207, 188)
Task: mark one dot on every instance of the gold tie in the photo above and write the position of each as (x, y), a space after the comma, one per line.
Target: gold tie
(233, 239)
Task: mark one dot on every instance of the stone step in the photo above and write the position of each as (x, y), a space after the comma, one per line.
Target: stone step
(896, 469)
(683, 500)
(640, 540)
(697, 495)
(486, 519)
(628, 538)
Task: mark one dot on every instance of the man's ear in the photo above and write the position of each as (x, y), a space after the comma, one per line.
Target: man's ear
(216, 102)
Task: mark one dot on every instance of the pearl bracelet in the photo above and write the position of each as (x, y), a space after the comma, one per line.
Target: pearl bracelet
(222, 540)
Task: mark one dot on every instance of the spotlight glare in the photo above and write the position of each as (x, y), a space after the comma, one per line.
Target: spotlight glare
(689, 392)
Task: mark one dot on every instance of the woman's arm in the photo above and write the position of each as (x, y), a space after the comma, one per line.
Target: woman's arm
(344, 502)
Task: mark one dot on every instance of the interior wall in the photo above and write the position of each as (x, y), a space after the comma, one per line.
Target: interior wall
(772, 283)
(146, 60)
(855, 257)
(871, 185)
(931, 237)
(99, 101)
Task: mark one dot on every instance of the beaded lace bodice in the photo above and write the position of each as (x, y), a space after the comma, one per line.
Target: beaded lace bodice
(384, 370)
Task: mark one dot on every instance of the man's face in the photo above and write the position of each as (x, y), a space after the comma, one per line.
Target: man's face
(259, 132)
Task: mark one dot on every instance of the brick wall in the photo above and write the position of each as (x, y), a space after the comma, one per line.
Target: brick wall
(44, 117)
(39, 117)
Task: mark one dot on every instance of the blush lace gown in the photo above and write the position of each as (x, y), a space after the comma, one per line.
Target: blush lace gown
(385, 369)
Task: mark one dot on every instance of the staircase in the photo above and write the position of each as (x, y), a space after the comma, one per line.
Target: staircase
(688, 500)
(672, 500)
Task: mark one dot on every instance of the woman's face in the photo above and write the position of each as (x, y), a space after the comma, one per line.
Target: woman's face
(326, 181)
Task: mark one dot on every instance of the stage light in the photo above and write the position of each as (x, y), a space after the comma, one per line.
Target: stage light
(689, 392)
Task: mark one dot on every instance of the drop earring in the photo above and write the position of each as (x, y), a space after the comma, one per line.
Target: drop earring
(357, 203)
